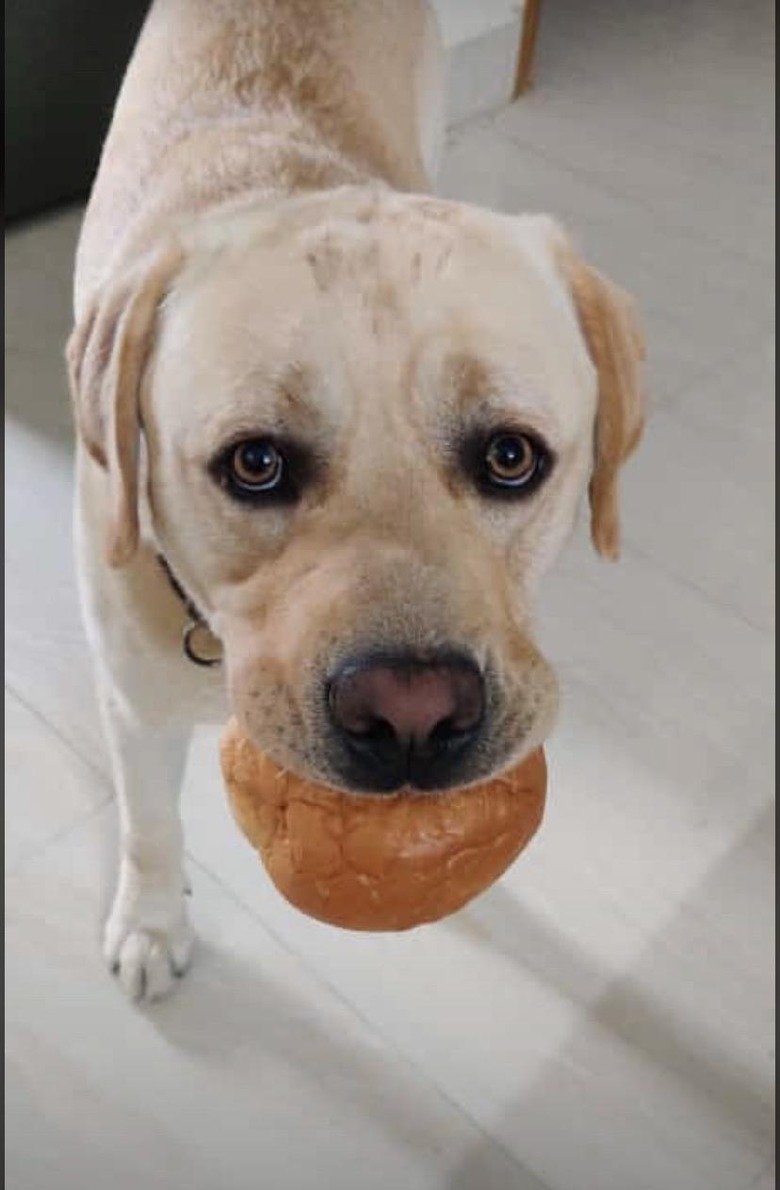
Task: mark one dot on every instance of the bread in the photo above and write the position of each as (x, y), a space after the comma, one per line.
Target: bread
(380, 862)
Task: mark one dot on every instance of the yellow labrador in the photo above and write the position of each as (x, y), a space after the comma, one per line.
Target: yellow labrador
(330, 423)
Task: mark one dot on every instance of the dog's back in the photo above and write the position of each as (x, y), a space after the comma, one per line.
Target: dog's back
(251, 97)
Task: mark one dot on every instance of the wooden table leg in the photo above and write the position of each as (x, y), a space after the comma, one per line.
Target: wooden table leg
(525, 56)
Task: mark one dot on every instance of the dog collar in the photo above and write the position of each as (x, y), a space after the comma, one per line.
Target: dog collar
(198, 642)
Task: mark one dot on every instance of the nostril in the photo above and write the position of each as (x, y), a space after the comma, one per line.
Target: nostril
(447, 730)
(375, 730)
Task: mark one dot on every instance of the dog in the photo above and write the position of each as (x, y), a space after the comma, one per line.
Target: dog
(329, 426)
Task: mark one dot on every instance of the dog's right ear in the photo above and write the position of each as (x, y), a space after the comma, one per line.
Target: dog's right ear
(106, 356)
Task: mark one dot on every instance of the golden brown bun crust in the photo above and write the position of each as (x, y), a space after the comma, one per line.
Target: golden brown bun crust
(380, 863)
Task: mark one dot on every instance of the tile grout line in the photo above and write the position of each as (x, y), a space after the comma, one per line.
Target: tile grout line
(685, 148)
(715, 367)
(660, 222)
(631, 548)
(16, 868)
(96, 769)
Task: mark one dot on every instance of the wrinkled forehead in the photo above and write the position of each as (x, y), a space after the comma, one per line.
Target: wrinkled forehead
(359, 303)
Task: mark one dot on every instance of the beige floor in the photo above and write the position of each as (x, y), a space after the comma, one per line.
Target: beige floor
(601, 1020)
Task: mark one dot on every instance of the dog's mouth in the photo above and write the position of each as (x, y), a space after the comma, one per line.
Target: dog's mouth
(380, 722)
(379, 766)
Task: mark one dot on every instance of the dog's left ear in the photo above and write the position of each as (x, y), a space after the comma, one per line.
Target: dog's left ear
(106, 355)
(613, 335)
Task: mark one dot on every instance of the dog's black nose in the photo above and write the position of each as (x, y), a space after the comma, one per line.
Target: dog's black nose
(404, 718)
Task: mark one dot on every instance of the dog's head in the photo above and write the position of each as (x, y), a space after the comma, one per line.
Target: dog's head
(368, 422)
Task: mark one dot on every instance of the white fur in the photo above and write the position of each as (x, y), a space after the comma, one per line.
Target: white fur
(150, 695)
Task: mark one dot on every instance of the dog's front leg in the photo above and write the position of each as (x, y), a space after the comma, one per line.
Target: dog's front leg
(148, 937)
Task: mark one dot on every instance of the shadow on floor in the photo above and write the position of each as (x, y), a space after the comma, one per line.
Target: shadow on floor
(644, 1021)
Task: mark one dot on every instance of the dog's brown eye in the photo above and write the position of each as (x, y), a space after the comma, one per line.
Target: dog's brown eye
(256, 466)
(263, 471)
(512, 460)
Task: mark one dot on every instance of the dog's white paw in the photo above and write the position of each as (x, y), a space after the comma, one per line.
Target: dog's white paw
(148, 939)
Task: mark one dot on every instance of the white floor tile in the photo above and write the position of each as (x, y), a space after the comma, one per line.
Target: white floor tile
(47, 788)
(610, 1009)
(672, 183)
(672, 674)
(693, 499)
(46, 662)
(675, 74)
(256, 1074)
